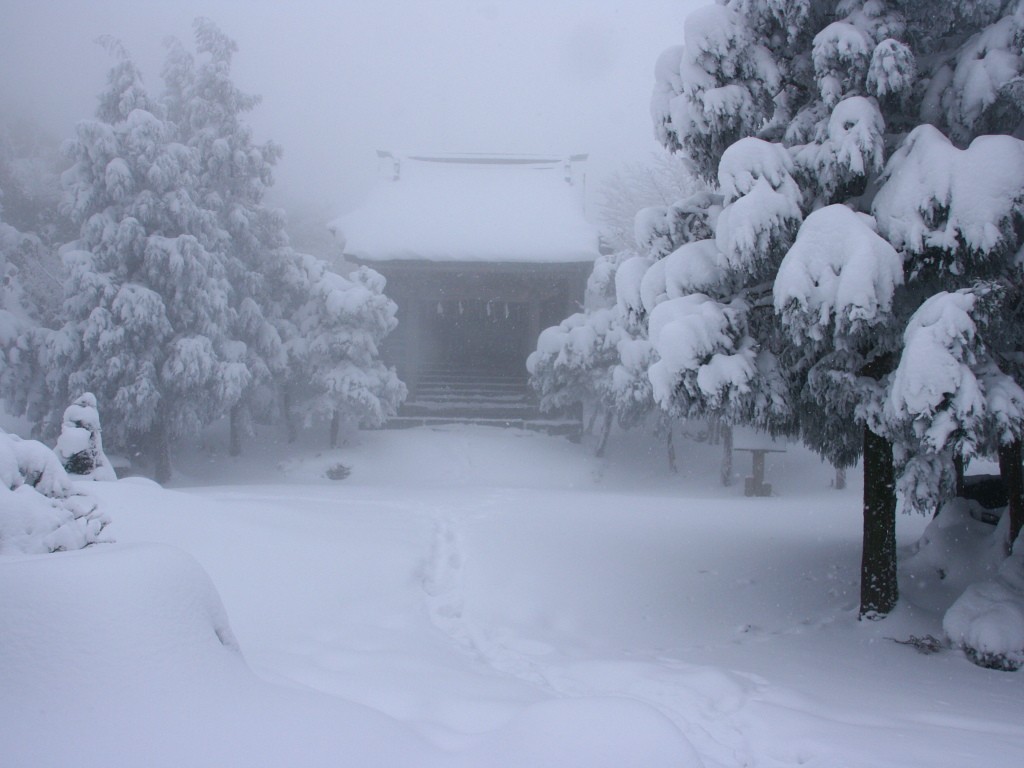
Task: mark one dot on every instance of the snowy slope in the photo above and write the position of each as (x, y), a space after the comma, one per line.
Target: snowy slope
(470, 596)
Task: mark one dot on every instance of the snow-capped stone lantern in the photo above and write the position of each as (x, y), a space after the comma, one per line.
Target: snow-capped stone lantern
(80, 446)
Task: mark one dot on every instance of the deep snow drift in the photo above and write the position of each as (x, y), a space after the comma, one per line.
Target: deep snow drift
(481, 597)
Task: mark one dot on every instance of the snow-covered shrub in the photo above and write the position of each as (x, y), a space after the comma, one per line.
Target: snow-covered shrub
(987, 620)
(573, 360)
(339, 330)
(80, 445)
(40, 510)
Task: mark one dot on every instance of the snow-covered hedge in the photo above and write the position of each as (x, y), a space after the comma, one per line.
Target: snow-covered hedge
(987, 620)
(40, 510)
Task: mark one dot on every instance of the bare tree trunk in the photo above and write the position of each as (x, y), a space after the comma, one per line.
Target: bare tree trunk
(714, 431)
(289, 417)
(725, 431)
(840, 482)
(879, 589)
(1013, 478)
(161, 450)
(958, 471)
(593, 418)
(335, 428)
(671, 452)
(235, 438)
(609, 416)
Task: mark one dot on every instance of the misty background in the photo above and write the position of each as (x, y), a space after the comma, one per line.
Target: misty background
(341, 79)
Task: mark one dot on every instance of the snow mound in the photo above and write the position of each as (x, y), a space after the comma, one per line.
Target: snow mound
(126, 652)
(987, 621)
(595, 732)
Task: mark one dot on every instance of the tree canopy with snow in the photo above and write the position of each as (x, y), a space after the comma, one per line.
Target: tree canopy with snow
(848, 142)
(182, 301)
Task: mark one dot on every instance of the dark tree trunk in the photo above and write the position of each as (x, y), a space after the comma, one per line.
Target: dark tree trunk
(609, 417)
(958, 474)
(840, 483)
(161, 450)
(1013, 478)
(235, 439)
(879, 590)
(726, 433)
(335, 428)
(289, 417)
(670, 444)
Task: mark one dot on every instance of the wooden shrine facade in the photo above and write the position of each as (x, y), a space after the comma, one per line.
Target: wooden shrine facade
(465, 331)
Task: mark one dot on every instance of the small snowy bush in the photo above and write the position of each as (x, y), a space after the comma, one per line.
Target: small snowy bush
(40, 511)
(80, 445)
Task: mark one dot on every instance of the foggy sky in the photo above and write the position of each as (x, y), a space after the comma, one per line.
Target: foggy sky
(342, 79)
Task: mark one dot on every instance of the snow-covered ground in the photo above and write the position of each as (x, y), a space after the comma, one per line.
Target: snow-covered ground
(469, 596)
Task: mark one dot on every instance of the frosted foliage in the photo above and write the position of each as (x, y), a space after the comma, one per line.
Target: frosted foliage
(693, 268)
(630, 389)
(855, 134)
(80, 445)
(934, 384)
(988, 62)
(40, 510)
(717, 88)
(751, 229)
(944, 384)
(750, 160)
(601, 282)
(762, 208)
(703, 351)
(841, 56)
(573, 360)
(628, 280)
(339, 330)
(696, 267)
(652, 286)
(937, 196)
(659, 230)
(652, 229)
(892, 71)
(837, 278)
(768, 16)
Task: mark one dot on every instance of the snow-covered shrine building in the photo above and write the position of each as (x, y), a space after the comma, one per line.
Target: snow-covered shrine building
(480, 253)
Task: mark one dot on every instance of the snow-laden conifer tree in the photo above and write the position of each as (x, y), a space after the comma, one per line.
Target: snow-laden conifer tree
(958, 215)
(334, 348)
(233, 175)
(146, 298)
(839, 87)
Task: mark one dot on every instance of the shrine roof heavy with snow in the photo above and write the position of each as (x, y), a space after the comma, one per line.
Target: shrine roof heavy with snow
(472, 208)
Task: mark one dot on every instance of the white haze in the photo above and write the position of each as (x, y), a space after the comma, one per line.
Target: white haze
(341, 79)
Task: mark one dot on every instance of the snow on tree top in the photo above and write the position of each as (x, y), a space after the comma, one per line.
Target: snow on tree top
(475, 208)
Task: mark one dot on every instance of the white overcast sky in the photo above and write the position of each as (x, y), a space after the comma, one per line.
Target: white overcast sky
(341, 79)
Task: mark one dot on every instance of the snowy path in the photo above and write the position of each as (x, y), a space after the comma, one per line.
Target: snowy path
(732, 717)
